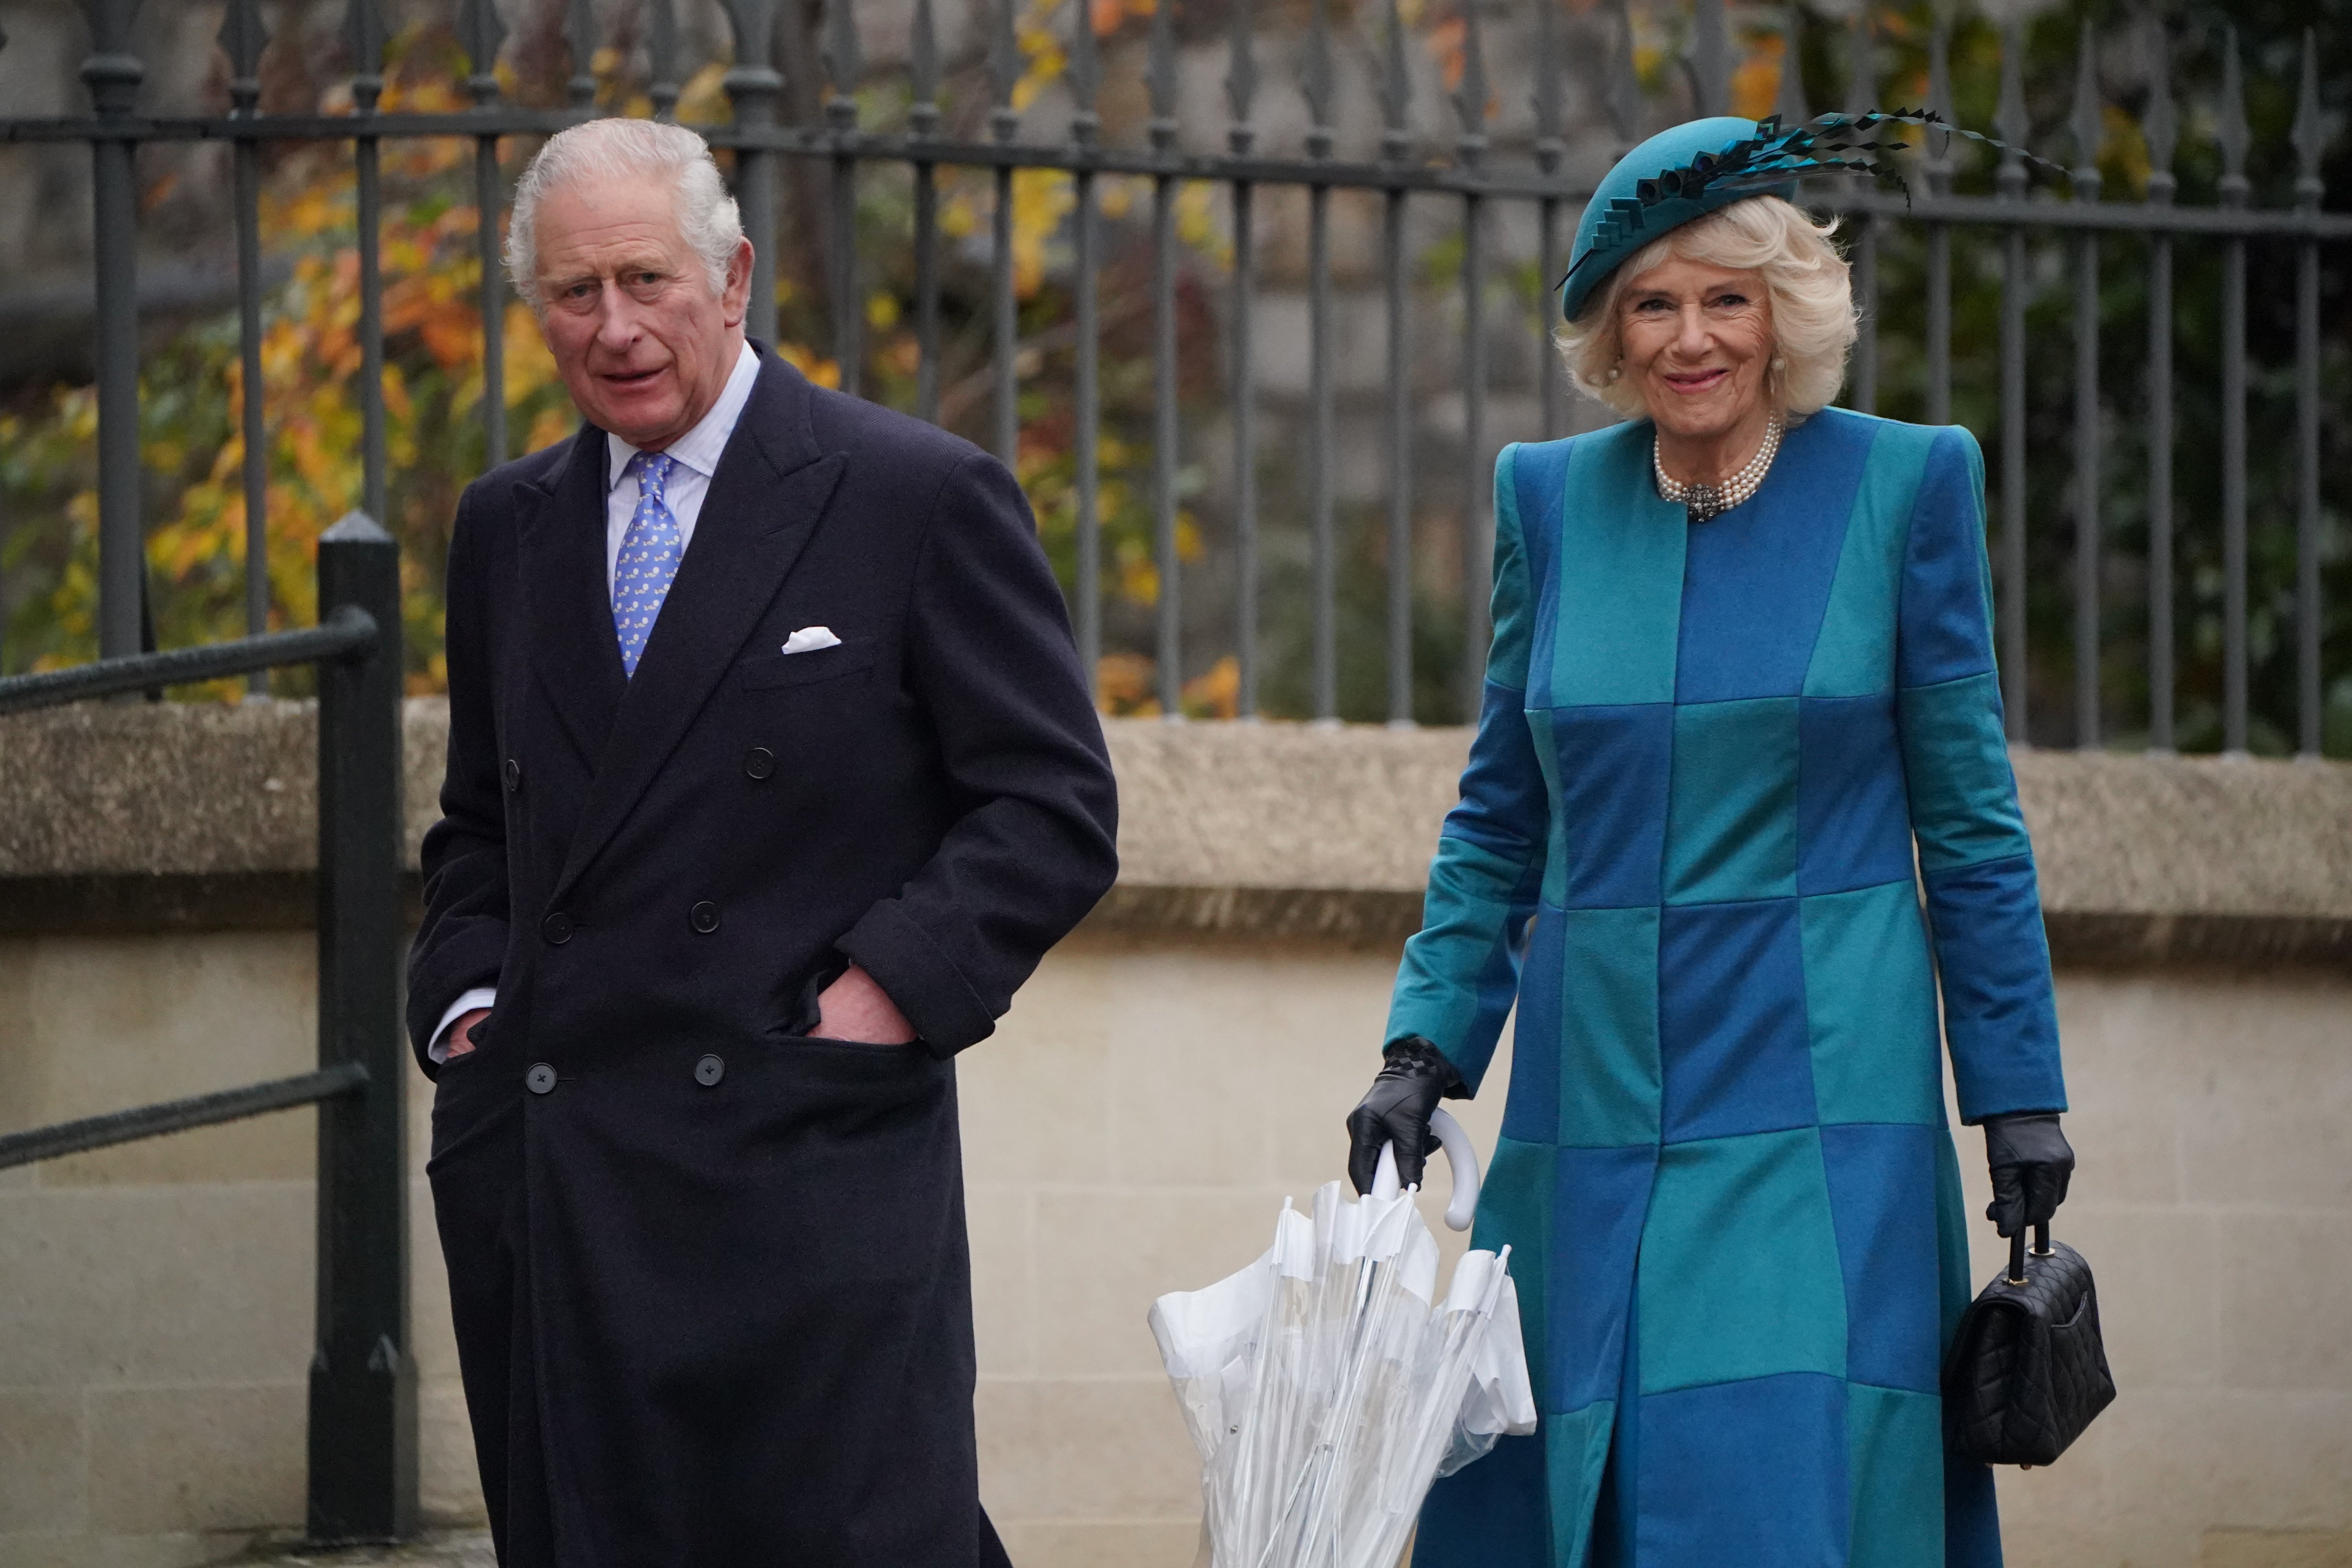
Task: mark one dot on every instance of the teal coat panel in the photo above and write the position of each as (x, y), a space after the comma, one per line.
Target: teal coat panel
(1738, 798)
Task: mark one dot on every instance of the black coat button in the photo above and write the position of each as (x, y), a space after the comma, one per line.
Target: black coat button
(704, 917)
(514, 776)
(539, 1079)
(758, 763)
(556, 928)
(709, 1071)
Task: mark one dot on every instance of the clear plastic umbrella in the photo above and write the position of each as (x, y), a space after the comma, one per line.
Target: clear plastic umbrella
(1325, 1385)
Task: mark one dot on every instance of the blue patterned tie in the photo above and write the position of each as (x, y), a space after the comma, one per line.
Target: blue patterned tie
(650, 551)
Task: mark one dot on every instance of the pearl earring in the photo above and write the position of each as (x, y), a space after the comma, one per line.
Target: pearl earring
(1780, 363)
(1615, 370)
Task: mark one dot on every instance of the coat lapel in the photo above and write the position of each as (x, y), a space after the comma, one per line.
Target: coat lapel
(765, 502)
(567, 608)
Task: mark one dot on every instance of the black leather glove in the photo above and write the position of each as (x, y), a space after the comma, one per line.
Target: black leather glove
(1414, 1076)
(2032, 1163)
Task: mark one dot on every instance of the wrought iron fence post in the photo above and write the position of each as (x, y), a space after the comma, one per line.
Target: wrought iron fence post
(751, 87)
(113, 74)
(2086, 128)
(362, 1439)
(2310, 140)
(242, 38)
(483, 32)
(2011, 120)
(363, 31)
(1477, 479)
(844, 64)
(2162, 131)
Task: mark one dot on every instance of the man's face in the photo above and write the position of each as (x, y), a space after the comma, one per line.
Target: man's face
(642, 343)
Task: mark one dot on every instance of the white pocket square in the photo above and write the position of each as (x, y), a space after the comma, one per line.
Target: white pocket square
(808, 639)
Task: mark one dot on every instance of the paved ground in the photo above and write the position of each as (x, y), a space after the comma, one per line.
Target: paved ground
(462, 1548)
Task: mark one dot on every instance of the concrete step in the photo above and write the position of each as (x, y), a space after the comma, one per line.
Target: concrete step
(435, 1548)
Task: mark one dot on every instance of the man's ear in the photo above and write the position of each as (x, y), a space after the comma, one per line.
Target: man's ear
(738, 296)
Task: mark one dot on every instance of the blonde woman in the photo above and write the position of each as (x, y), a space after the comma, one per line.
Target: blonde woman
(1741, 668)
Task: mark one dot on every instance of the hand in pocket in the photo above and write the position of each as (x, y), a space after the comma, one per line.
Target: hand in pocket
(461, 1034)
(855, 1007)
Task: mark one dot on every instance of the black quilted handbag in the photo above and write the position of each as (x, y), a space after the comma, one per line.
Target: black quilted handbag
(2027, 1371)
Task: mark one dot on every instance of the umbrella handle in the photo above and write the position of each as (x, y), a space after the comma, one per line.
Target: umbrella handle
(1461, 1159)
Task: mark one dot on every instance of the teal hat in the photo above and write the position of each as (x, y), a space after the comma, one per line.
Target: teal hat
(1659, 186)
(1702, 166)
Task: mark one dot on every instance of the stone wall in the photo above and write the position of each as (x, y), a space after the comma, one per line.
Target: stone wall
(1171, 1075)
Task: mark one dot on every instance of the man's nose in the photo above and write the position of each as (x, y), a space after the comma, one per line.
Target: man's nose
(616, 317)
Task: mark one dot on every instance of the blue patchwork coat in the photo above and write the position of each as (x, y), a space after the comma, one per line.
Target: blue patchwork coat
(1685, 850)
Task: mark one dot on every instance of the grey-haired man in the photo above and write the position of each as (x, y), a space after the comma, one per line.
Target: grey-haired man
(772, 772)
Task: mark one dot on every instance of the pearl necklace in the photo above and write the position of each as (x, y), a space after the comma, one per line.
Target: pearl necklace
(1703, 502)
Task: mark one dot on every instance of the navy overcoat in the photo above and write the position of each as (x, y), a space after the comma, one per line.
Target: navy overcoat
(710, 1276)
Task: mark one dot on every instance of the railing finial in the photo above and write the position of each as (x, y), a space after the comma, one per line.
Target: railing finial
(1470, 98)
(580, 36)
(2309, 137)
(2161, 125)
(844, 64)
(1546, 98)
(243, 37)
(110, 24)
(1085, 74)
(1939, 98)
(1861, 62)
(1624, 100)
(481, 31)
(1314, 79)
(1003, 71)
(2232, 134)
(923, 70)
(364, 34)
(661, 56)
(1396, 88)
(1241, 79)
(1159, 76)
(1710, 57)
(2010, 118)
(1788, 101)
(2087, 122)
(752, 81)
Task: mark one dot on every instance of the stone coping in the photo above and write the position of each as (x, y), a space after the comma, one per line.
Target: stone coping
(131, 816)
(433, 1549)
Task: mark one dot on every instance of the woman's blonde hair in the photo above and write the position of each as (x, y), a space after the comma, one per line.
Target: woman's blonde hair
(1814, 316)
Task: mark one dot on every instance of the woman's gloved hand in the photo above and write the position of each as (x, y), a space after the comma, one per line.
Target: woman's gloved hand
(1414, 1076)
(2032, 1163)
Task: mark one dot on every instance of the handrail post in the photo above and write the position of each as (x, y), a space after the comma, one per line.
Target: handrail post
(113, 75)
(362, 1438)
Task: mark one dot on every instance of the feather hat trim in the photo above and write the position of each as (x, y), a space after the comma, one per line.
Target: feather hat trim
(1704, 165)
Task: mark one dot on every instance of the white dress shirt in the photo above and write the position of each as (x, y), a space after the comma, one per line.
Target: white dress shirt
(696, 456)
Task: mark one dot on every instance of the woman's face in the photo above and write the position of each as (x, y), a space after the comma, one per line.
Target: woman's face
(1696, 341)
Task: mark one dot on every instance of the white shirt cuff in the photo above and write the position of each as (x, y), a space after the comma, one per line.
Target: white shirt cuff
(479, 996)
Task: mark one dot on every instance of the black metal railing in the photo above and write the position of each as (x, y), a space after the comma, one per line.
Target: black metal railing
(1506, 215)
(362, 1420)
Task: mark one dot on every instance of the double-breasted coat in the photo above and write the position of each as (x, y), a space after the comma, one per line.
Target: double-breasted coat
(1739, 825)
(710, 1276)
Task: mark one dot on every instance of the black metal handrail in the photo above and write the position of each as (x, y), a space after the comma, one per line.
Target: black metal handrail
(179, 1115)
(363, 1415)
(346, 631)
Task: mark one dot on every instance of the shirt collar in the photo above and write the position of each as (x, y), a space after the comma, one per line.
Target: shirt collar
(699, 447)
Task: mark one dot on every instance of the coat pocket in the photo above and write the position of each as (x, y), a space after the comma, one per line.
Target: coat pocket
(852, 656)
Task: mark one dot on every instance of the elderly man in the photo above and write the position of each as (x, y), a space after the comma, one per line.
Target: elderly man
(773, 774)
